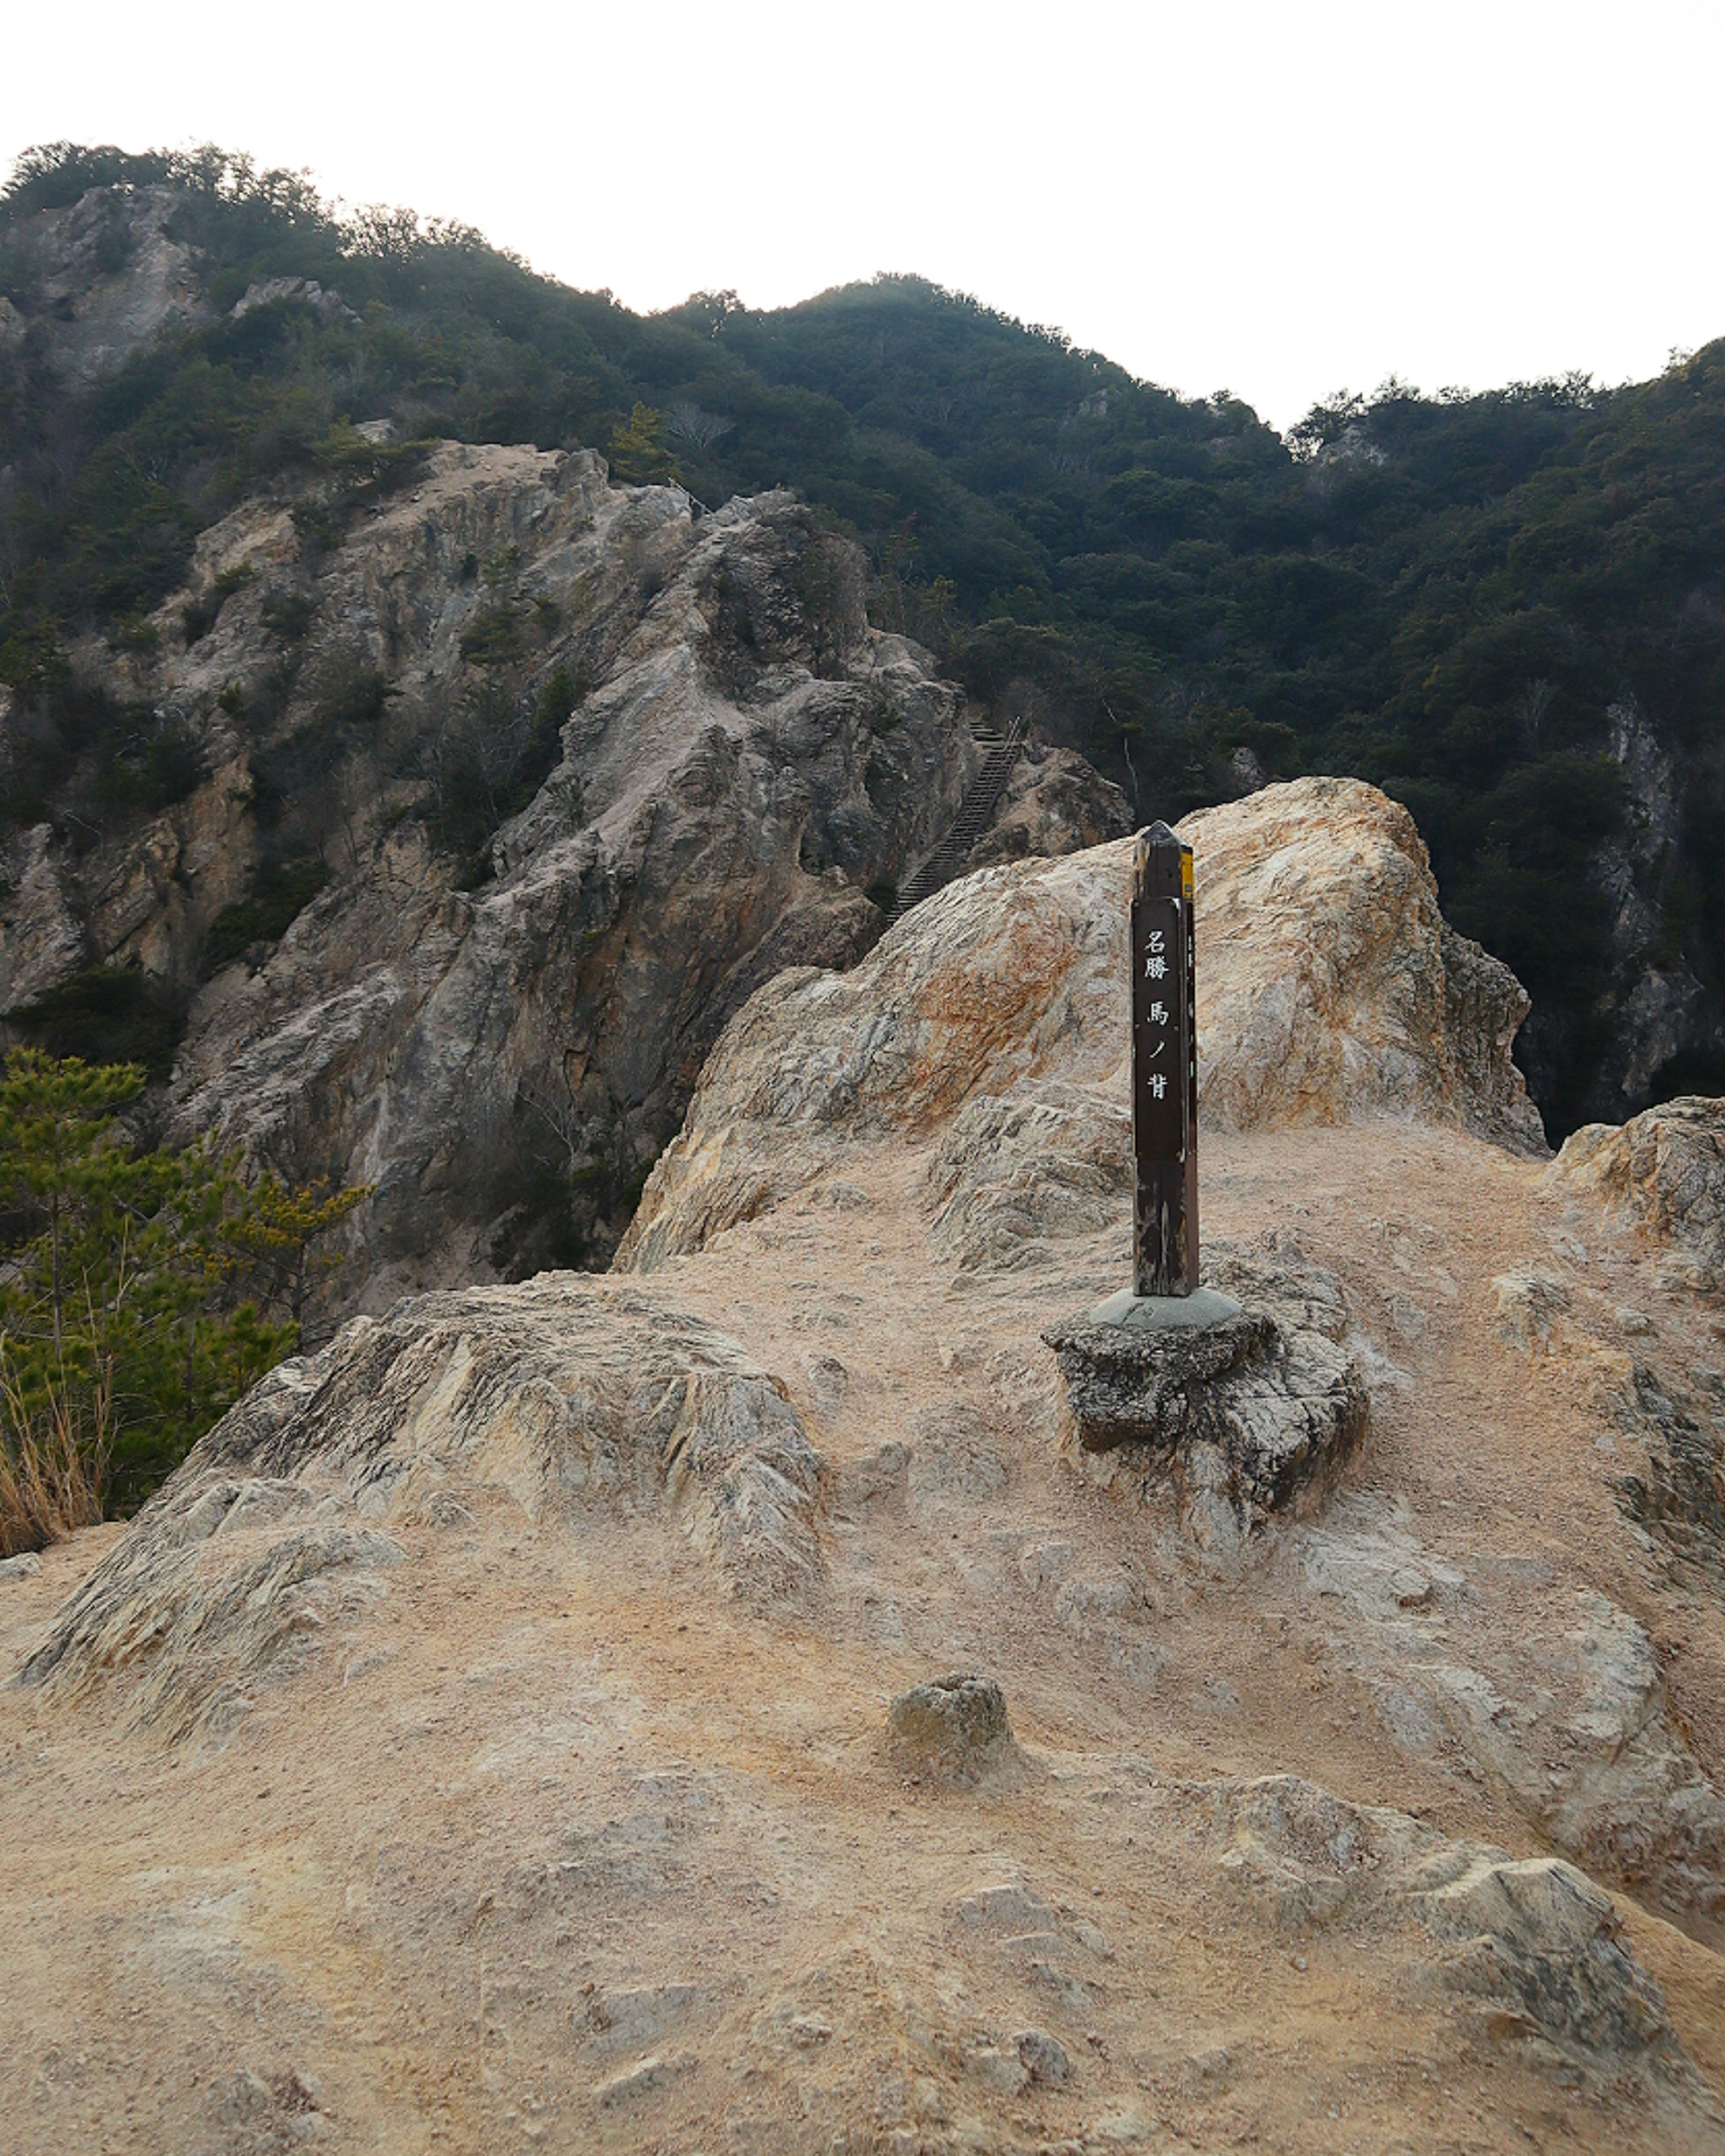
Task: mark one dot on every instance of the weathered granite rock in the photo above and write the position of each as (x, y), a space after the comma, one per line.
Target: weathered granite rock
(1529, 1303)
(580, 1400)
(1055, 804)
(1560, 1704)
(1661, 1175)
(1677, 1496)
(41, 940)
(1240, 1419)
(1012, 1170)
(955, 1728)
(1329, 984)
(1532, 1948)
(108, 277)
(1329, 988)
(499, 1043)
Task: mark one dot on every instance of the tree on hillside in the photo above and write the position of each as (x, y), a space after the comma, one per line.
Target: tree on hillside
(125, 1327)
(637, 452)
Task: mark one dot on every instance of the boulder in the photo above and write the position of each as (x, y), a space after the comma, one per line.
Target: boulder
(1055, 804)
(1662, 1177)
(1240, 1419)
(955, 1728)
(1329, 984)
(1529, 1303)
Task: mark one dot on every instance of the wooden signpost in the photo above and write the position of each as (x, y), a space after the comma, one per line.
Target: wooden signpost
(1164, 1066)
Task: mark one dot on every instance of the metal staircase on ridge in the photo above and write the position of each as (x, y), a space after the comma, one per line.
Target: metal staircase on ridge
(976, 812)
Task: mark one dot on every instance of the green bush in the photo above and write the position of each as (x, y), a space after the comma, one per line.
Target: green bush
(287, 615)
(281, 892)
(135, 1291)
(494, 639)
(105, 1015)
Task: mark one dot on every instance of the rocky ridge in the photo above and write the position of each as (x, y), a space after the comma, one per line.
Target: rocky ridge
(524, 1664)
(1330, 988)
(575, 771)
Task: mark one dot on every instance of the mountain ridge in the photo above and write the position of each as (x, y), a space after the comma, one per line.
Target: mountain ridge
(1504, 608)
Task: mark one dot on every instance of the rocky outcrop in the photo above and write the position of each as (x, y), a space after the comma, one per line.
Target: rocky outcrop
(994, 1018)
(576, 772)
(1560, 1706)
(1662, 1177)
(42, 939)
(581, 1401)
(1329, 984)
(102, 280)
(1055, 804)
(1676, 1497)
(1665, 1015)
(1532, 1950)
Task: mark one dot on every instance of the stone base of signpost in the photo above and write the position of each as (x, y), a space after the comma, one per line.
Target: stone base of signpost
(1165, 1313)
(1234, 1411)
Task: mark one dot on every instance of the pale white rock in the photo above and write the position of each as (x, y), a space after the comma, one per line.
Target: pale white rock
(1660, 1177)
(110, 278)
(1529, 1302)
(41, 940)
(992, 1021)
(582, 1401)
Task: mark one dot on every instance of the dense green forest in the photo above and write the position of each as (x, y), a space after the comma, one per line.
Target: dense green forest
(1449, 595)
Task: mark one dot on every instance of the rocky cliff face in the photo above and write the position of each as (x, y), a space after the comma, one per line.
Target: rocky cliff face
(563, 774)
(1667, 1021)
(106, 279)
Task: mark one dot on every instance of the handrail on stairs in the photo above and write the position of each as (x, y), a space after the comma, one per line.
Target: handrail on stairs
(975, 811)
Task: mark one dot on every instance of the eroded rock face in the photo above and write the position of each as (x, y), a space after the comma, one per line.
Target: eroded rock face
(1562, 1708)
(1677, 1498)
(1055, 804)
(1661, 1175)
(1532, 1949)
(1328, 983)
(1329, 988)
(580, 1400)
(106, 278)
(499, 1041)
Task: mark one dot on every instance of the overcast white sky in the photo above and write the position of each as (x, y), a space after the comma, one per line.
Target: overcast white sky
(1278, 199)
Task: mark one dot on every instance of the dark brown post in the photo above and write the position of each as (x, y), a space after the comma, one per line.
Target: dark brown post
(1164, 1066)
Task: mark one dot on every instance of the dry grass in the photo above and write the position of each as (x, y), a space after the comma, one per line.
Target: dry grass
(53, 1464)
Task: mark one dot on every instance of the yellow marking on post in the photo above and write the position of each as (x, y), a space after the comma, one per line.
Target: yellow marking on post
(1185, 875)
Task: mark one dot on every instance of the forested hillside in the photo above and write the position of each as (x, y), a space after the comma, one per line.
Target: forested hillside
(1506, 608)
